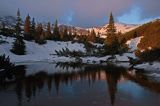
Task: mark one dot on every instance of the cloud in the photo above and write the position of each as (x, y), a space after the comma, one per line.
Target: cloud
(84, 13)
(133, 16)
(150, 8)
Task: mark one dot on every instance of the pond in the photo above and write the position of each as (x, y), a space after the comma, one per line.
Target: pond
(70, 84)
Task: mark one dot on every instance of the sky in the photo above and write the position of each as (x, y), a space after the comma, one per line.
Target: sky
(84, 13)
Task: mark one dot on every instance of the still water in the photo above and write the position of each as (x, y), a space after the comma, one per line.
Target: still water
(61, 84)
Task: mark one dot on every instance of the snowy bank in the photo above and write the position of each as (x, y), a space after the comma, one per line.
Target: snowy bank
(155, 66)
(36, 52)
(46, 52)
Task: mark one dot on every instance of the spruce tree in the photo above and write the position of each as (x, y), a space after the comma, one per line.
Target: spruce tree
(33, 28)
(65, 34)
(18, 24)
(27, 28)
(48, 31)
(56, 33)
(93, 35)
(111, 42)
(135, 34)
(40, 38)
(70, 36)
(18, 45)
(111, 29)
(3, 29)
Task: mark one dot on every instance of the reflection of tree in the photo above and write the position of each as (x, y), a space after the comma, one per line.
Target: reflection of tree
(141, 79)
(113, 75)
(57, 78)
(49, 82)
(18, 90)
(19, 73)
(67, 65)
(33, 83)
(90, 73)
(28, 87)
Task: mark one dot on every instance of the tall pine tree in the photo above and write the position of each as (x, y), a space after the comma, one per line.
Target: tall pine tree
(18, 24)
(111, 29)
(48, 31)
(18, 45)
(56, 33)
(92, 36)
(27, 28)
(111, 42)
(33, 28)
(40, 35)
(65, 34)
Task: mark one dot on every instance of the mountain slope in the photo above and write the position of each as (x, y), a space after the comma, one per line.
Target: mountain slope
(121, 27)
(151, 33)
(10, 21)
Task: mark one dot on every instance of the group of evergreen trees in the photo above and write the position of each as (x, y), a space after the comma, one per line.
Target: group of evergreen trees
(40, 35)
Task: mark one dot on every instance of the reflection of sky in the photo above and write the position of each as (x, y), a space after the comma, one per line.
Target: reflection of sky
(136, 95)
(84, 13)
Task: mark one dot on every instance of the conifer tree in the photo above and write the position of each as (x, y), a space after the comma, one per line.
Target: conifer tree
(33, 28)
(56, 33)
(92, 36)
(75, 35)
(3, 29)
(48, 32)
(27, 28)
(40, 38)
(111, 42)
(111, 29)
(18, 24)
(70, 36)
(65, 34)
(135, 34)
(19, 45)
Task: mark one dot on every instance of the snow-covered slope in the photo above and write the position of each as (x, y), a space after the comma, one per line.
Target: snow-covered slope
(36, 52)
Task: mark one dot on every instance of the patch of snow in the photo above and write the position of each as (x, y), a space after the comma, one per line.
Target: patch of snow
(154, 75)
(124, 57)
(133, 43)
(149, 67)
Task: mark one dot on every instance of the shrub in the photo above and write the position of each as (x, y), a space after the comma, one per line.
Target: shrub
(5, 62)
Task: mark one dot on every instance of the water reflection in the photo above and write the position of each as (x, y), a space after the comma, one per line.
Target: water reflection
(28, 87)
